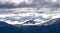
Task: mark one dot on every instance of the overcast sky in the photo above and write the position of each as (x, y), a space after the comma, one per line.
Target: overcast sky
(26, 3)
(29, 3)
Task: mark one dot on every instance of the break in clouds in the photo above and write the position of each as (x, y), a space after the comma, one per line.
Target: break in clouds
(29, 3)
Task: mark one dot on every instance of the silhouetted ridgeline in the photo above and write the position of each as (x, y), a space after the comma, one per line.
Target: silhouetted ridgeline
(54, 28)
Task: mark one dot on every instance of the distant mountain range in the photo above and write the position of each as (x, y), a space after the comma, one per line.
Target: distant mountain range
(7, 28)
(54, 28)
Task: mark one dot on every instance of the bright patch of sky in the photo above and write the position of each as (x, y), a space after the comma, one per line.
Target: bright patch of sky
(16, 1)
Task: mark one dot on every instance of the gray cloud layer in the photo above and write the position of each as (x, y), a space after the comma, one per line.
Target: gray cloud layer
(35, 3)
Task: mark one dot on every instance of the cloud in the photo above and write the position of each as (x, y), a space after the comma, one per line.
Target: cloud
(29, 3)
(23, 19)
(9, 3)
(13, 3)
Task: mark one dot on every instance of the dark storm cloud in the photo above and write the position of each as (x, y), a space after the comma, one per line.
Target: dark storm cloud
(48, 4)
(7, 5)
(35, 3)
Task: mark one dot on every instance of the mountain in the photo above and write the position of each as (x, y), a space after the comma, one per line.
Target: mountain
(7, 28)
(53, 22)
(53, 28)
